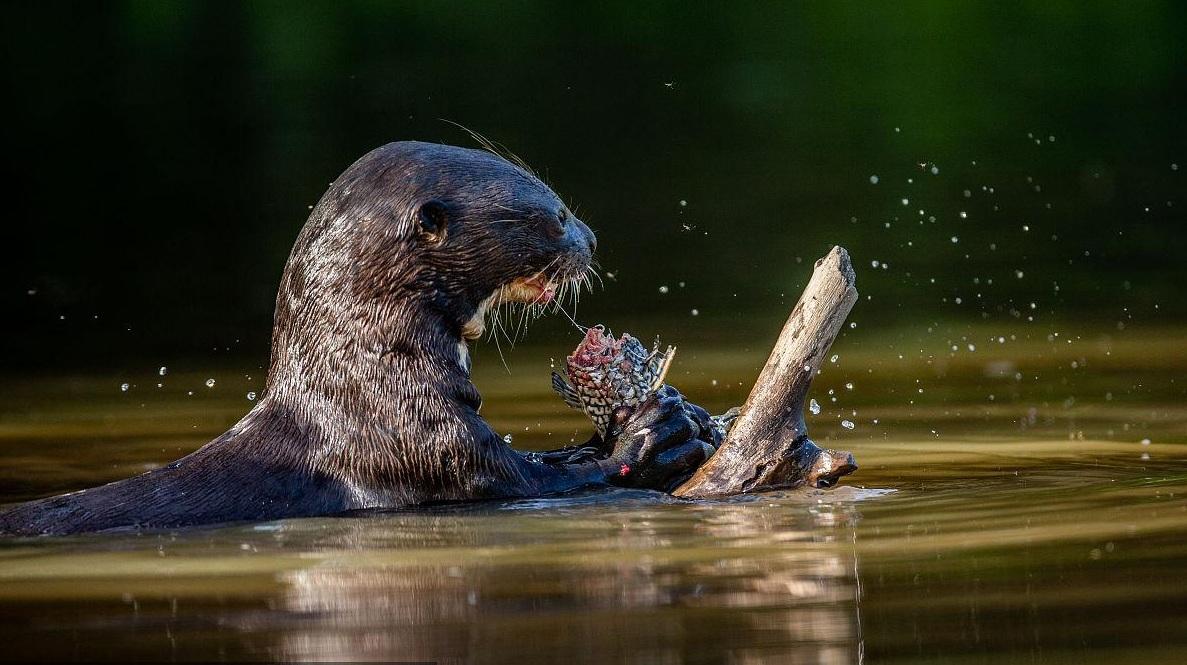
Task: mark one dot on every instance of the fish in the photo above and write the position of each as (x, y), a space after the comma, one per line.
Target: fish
(604, 374)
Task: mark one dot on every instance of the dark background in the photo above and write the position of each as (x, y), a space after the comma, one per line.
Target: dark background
(161, 157)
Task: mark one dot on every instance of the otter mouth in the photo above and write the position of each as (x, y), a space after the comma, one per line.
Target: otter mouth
(512, 306)
(538, 289)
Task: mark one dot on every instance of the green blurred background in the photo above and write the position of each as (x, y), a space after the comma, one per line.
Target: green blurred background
(1030, 156)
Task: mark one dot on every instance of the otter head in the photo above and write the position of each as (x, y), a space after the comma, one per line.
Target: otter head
(416, 234)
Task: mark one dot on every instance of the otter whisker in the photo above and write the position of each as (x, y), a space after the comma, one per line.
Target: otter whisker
(491, 315)
(502, 313)
(516, 332)
(496, 325)
(570, 286)
(494, 147)
(523, 315)
(562, 292)
(591, 270)
(568, 316)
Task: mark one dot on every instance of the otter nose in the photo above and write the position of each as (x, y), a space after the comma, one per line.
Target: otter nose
(584, 234)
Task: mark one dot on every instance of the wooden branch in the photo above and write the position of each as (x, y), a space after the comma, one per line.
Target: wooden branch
(768, 446)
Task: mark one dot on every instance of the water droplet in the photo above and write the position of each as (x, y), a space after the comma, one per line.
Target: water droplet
(507, 438)
(814, 406)
(964, 215)
(683, 203)
(663, 289)
(848, 386)
(696, 312)
(875, 263)
(124, 387)
(906, 202)
(1145, 442)
(251, 396)
(847, 424)
(873, 180)
(163, 371)
(834, 358)
(209, 383)
(955, 240)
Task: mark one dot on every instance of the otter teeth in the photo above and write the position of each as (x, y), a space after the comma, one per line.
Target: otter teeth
(545, 285)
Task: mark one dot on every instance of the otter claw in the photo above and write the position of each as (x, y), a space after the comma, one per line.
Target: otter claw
(582, 454)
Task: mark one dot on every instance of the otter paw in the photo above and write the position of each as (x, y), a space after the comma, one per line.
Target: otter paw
(658, 444)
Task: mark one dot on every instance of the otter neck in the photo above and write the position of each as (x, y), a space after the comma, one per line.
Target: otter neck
(356, 396)
(371, 360)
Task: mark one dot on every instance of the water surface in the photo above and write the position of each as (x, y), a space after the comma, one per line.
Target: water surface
(1033, 526)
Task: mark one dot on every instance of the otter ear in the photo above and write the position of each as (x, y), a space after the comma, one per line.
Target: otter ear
(433, 218)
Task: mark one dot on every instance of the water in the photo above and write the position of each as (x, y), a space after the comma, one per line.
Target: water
(1018, 166)
(1026, 527)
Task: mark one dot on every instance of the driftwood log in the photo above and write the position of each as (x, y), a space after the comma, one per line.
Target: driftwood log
(768, 446)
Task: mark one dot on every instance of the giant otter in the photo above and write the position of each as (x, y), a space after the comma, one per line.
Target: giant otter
(368, 401)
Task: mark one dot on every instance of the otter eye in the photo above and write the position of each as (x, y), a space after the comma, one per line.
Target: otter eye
(433, 217)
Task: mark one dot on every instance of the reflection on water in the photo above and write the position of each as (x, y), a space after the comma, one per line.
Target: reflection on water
(1020, 529)
(1037, 555)
(640, 585)
(604, 577)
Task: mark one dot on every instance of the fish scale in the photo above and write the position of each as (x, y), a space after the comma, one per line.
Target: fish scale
(603, 374)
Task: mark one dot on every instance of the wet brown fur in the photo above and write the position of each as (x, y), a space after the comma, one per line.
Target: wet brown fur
(368, 403)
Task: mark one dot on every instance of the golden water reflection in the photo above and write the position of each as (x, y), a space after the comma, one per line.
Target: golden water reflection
(636, 585)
